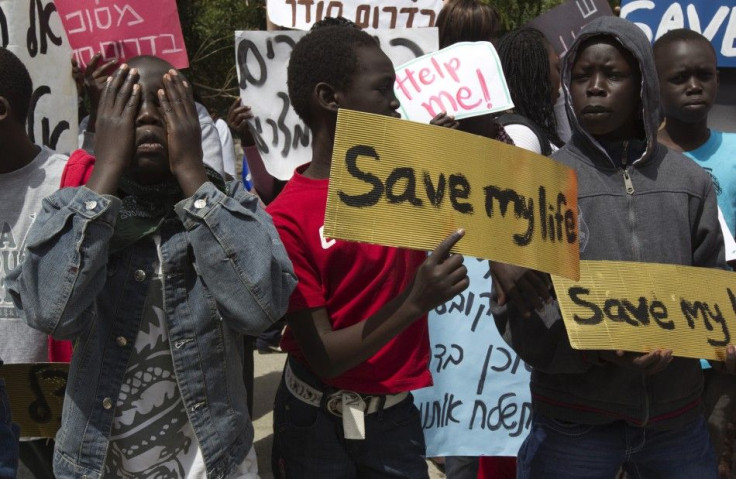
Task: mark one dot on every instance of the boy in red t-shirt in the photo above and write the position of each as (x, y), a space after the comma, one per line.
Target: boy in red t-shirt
(357, 330)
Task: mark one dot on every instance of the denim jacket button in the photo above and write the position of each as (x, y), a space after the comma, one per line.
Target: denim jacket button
(121, 341)
(107, 403)
(90, 205)
(200, 203)
(139, 275)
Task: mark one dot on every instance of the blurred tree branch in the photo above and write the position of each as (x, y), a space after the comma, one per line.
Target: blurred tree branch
(208, 27)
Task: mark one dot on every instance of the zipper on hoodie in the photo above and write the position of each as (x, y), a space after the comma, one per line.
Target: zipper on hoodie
(628, 184)
(624, 160)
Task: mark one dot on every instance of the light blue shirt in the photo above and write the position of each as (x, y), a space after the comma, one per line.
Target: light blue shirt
(718, 157)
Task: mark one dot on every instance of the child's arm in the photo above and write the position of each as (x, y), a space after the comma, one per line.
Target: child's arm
(239, 255)
(266, 186)
(64, 265)
(237, 250)
(330, 353)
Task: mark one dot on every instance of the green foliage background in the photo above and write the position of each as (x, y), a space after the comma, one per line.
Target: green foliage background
(208, 27)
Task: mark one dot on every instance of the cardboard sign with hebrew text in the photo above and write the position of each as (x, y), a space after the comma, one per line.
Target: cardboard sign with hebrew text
(400, 183)
(644, 306)
(123, 29)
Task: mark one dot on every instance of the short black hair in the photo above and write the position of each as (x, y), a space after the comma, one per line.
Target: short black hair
(334, 22)
(15, 84)
(681, 35)
(326, 54)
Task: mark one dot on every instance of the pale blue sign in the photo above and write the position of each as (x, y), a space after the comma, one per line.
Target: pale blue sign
(480, 403)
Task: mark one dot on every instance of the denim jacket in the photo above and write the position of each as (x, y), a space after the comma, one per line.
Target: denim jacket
(225, 273)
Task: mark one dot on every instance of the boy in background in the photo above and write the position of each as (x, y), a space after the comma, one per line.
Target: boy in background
(357, 327)
(595, 411)
(688, 77)
(28, 173)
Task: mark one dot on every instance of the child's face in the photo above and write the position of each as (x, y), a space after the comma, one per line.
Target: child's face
(372, 86)
(604, 88)
(688, 80)
(150, 163)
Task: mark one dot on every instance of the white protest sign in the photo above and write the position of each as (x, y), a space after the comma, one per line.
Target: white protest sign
(35, 35)
(480, 403)
(464, 79)
(283, 140)
(302, 14)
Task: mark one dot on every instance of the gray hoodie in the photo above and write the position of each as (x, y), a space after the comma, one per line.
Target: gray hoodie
(659, 208)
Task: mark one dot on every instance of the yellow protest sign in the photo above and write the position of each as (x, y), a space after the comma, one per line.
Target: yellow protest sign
(643, 306)
(36, 394)
(399, 183)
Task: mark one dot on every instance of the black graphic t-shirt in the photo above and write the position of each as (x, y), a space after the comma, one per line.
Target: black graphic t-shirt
(151, 435)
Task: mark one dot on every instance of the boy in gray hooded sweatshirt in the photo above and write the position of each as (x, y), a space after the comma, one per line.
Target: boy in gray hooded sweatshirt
(596, 411)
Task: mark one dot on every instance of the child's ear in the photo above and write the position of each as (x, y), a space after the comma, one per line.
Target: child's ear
(327, 97)
(4, 108)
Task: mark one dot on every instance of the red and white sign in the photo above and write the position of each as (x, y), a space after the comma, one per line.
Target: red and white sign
(123, 29)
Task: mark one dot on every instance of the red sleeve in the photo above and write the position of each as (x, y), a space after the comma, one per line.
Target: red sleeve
(309, 292)
(78, 169)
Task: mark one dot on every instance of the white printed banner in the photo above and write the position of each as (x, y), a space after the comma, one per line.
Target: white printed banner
(480, 403)
(302, 14)
(464, 79)
(32, 31)
(283, 140)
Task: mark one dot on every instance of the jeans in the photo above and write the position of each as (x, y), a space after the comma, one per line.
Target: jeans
(556, 449)
(36, 459)
(309, 442)
(9, 433)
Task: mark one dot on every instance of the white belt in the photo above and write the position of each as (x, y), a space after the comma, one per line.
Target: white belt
(349, 405)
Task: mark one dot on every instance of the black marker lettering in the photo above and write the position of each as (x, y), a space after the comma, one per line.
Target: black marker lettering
(460, 189)
(659, 312)
(434, 195)
(44, 28)
(351, 161)
(524, 210)
(574, 293)
(409, 192)
(4, 39)
(246, 76)
(616, 311)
